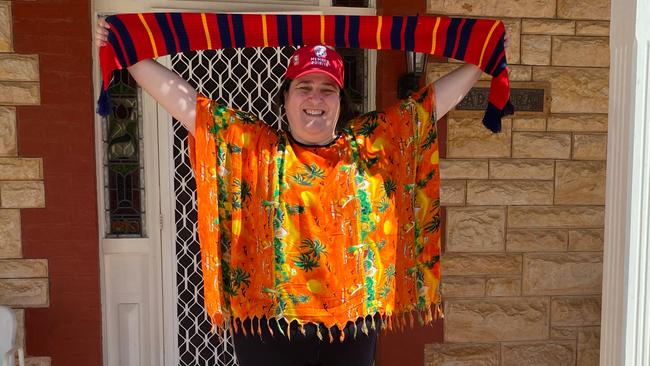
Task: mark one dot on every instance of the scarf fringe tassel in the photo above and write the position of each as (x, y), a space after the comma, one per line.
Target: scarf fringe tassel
(493, 116)
(104, 104)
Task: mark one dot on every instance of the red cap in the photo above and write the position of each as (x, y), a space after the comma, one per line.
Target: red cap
(317, 58)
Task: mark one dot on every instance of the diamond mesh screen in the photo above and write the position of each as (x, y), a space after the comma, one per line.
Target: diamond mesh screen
(242, 78)
(246, 79)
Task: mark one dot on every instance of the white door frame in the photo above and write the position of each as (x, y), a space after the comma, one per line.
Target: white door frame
(130, 267)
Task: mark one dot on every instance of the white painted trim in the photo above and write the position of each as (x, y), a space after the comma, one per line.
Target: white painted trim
(101, 225)
(152, 189)
(168, 240)
(115, 252)
(247, 7)
(106, 7)
(625, 329)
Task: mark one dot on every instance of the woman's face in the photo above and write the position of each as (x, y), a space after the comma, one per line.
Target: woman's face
(312, 104)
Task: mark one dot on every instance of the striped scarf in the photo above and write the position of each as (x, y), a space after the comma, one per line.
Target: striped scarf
(135, 37)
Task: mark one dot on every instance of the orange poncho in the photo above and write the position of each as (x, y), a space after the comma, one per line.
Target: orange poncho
(319, 234)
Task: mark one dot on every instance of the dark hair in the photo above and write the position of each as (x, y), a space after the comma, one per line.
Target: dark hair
(345, 115)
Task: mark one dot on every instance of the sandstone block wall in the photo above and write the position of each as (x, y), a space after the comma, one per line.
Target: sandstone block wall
(522, 269)
(23, 282)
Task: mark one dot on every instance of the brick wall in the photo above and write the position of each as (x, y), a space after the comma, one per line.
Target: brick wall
(49, 270)
(23, 282)
(522, 269)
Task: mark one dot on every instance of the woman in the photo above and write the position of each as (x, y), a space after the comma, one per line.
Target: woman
(312, 235)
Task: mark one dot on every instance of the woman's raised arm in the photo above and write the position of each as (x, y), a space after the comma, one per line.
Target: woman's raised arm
(174, 93)
(452, 88)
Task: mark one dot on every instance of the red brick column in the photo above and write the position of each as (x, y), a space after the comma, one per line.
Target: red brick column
(60, 131)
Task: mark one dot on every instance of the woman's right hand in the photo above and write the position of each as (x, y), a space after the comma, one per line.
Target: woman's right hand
(173, 93)
(101, 32)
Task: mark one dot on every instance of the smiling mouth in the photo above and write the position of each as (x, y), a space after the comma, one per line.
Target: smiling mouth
(314, 112)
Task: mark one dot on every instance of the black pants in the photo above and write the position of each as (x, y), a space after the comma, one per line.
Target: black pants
(307, 349)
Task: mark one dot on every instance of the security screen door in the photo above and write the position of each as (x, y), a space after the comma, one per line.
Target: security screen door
(246, 79)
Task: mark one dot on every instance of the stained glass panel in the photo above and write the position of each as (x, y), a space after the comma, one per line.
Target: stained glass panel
(123, 168)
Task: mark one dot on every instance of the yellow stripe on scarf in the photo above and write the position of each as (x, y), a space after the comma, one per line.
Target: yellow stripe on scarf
(146, 26)
(206, 30)
(435, 36)
(480, 61)
(265, 31)
(379, 19)
(322, 29)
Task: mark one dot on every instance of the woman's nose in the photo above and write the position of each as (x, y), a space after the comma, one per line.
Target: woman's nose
(316, 95)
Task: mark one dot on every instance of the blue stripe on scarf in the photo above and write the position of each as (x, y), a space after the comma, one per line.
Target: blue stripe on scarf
(183, 42)
(451, 36)
(296, 30)
(339, 30)
(224, 30)
(396, 33)
(112, 39)
(161, 19)
(283, 38)
(353, 33)
(501, 64)
(465, 33)
(129, 47)
(409, 33)
(494, 58)
(238, 28)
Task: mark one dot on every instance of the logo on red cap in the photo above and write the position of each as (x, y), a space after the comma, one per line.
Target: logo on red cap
(317, 58)
(320, 51)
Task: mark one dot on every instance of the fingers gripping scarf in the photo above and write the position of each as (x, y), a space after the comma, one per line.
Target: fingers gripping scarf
(135, 37)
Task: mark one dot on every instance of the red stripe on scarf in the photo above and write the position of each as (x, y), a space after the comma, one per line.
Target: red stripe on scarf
(491, 45)
(194, 28)
(441, 35)
(254, 33)
(368, 32)
(231, 30)
(211, 19)
(310, 33)
(476, 40)
(138, 38)
(423, 34)
(121, 43)
(500, 90)
(330, 26)
(156, 33)
(272, 29)
(289, 35)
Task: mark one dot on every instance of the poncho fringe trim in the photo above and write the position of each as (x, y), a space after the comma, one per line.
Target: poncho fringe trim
(389, 322)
